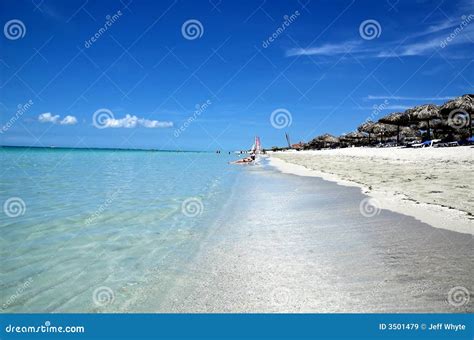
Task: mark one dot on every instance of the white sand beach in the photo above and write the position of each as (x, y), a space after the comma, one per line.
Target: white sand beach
(434, 185)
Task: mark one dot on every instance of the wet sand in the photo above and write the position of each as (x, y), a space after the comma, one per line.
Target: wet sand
(287, 243)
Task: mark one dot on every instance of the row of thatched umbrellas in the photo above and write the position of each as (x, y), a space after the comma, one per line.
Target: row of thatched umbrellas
(452, 116)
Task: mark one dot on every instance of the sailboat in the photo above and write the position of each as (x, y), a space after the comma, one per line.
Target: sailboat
(256, 147)
(254, 151)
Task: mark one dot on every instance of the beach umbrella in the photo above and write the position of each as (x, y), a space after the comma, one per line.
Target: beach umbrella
(384, 130)
(458, 112)
(398, 119)
(378, 129)
(424, 113)
(366, 127)
(328, 139)
(354, 136)
(407, 133)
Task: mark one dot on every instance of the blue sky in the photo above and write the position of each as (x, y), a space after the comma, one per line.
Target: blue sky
(154, 84)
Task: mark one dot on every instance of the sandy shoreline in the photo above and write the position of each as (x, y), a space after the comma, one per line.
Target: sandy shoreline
(297, 244)
(433, 185)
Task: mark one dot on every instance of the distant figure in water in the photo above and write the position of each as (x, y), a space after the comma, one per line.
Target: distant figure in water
(245, 160)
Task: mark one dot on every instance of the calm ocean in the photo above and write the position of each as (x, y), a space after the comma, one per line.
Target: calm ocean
(76, 222)
(144, 231)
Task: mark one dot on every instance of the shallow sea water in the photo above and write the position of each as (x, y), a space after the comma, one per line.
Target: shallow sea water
(136, 231)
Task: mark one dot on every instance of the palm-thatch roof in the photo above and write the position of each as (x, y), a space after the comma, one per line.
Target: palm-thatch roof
(458, 112)
(408, 132)
(465, 103)
(396, 118)
(328, 138)
(355, 135)
(366, 127)
(423, 113)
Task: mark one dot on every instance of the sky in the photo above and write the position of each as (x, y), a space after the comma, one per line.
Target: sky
(212, 74)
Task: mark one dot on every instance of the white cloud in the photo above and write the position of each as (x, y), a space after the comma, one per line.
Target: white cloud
(69, 120)
(130, 121)
(327, 49)
(47, 117)
(370, 97)
(425, 42)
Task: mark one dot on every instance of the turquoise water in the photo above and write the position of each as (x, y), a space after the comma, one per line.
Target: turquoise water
(100, 218)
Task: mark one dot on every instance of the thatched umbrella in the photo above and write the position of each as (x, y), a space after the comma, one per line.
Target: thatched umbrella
(366, 127)
(354, 137)
(370, 127)
(328, 139)
(424, 113)
(398, 119)
(457, 110)
(407, 133)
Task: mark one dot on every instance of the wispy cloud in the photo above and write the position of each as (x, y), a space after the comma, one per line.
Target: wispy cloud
(434, 37)
(130, 121)
(47, 117)
(326, 50)
(371, 97)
